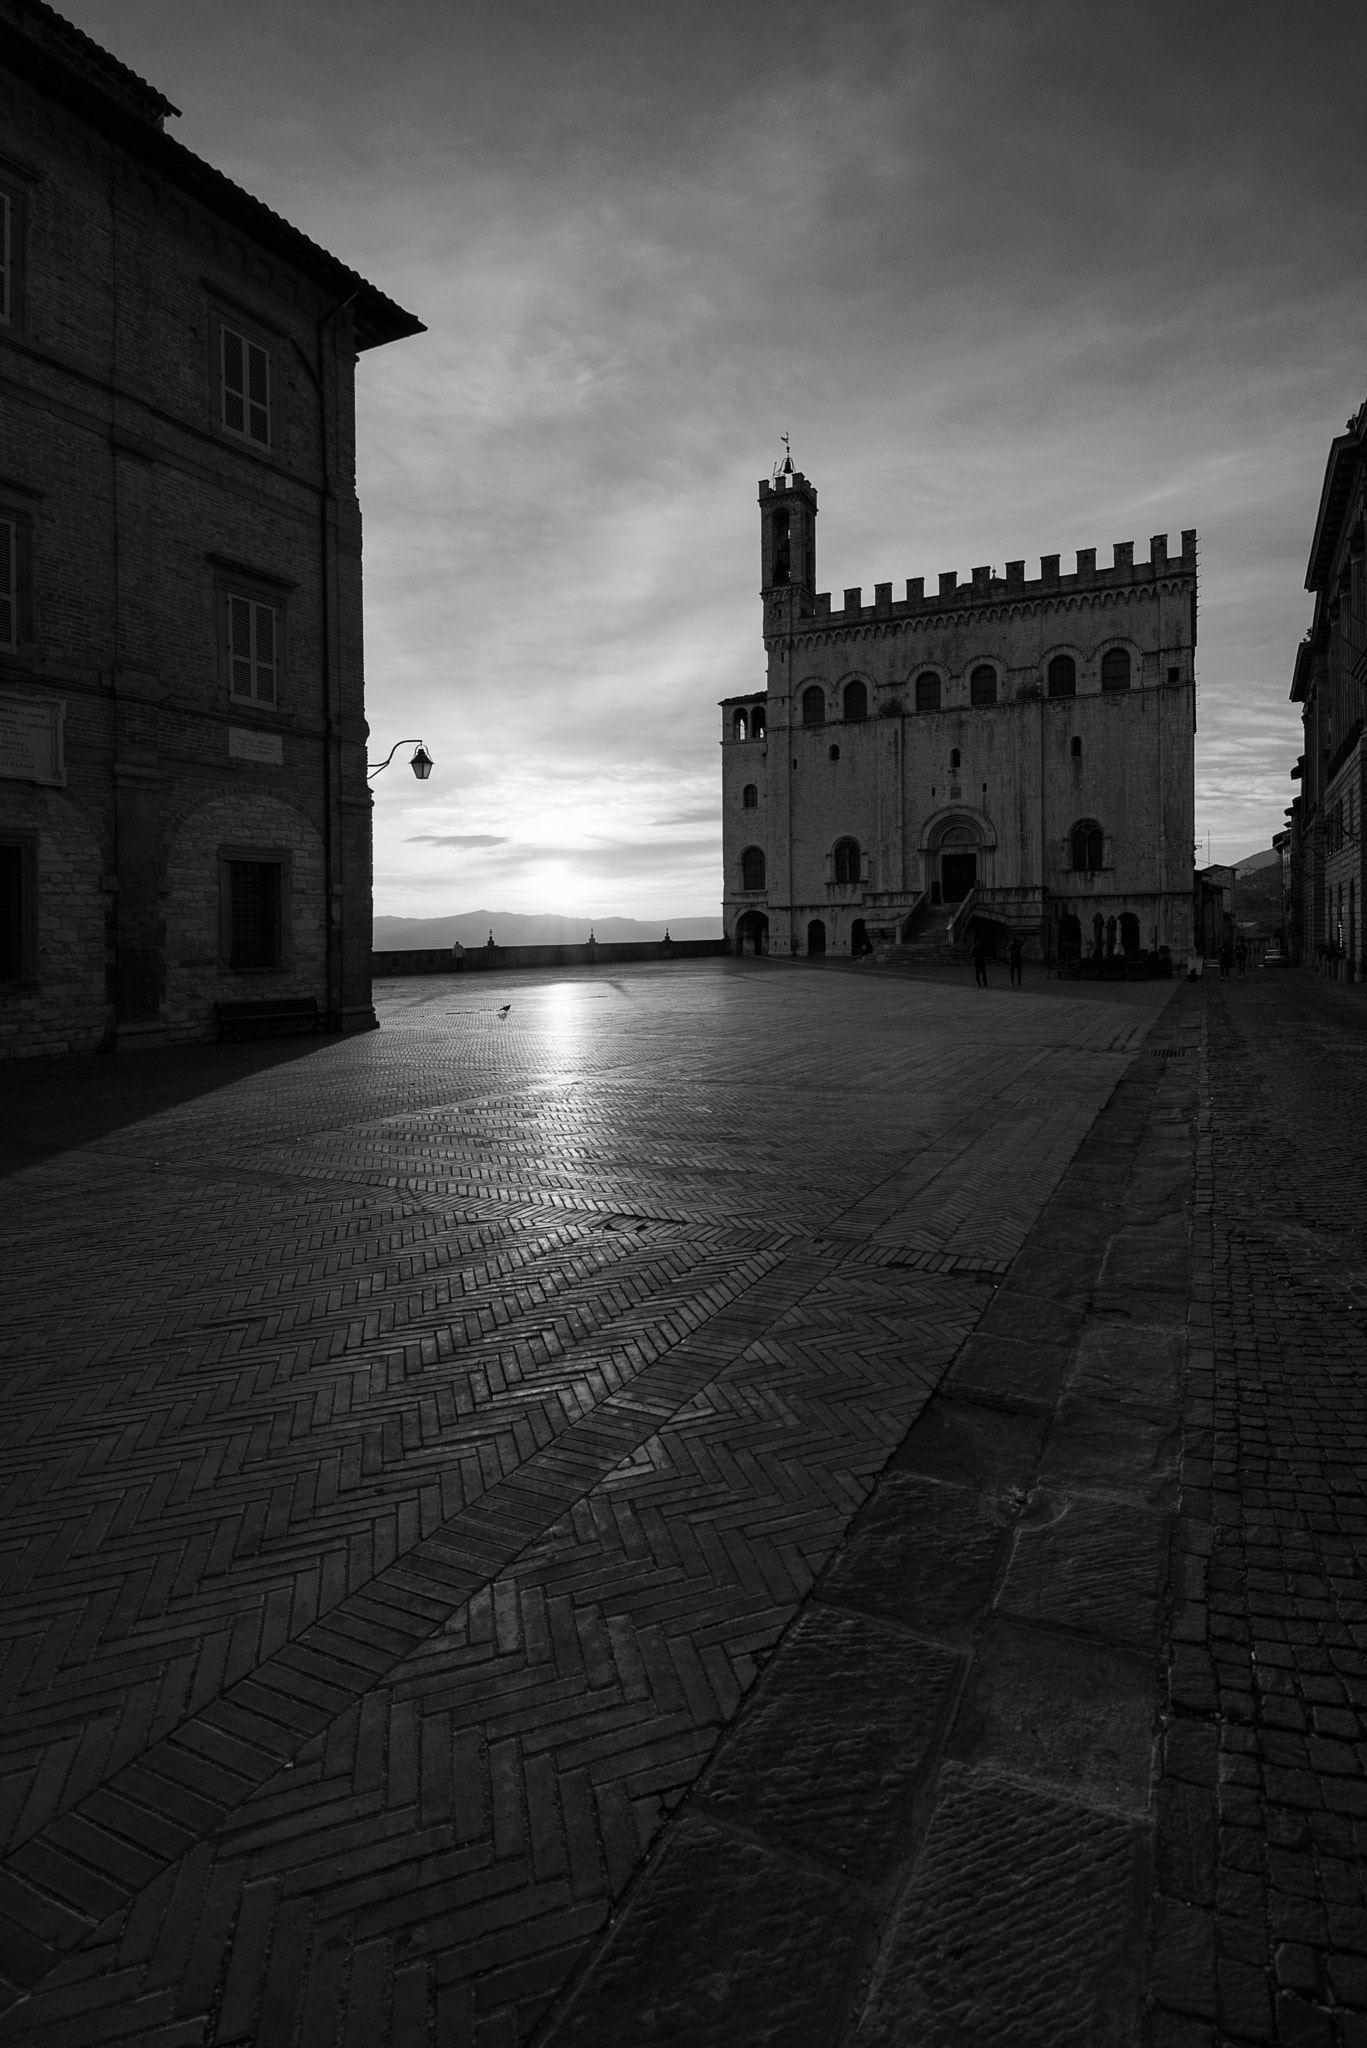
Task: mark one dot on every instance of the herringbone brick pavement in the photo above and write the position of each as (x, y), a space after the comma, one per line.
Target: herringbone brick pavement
(414, 1450)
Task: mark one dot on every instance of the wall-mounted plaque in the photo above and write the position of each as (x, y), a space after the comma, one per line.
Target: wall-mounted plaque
(246, 745)
(31, 747)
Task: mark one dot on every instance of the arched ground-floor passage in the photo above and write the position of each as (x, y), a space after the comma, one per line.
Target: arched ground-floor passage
(752, 932)
(859, 938)
(992, 935)
(816, 938)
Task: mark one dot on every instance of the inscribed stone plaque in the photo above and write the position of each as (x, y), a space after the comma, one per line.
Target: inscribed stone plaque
(245, 745)
(31, 740)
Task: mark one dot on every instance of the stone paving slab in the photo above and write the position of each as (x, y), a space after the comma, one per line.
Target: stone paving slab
(964, 1719)
(419, 1448)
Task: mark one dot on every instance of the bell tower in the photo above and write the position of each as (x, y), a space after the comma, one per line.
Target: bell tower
(787, 516)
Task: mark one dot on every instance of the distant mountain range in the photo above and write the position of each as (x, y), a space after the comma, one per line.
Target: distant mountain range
(522, 928)
(1251, 862)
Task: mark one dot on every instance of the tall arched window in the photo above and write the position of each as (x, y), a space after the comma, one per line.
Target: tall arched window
(752, 868)
(740, 726)
(1115, 669)
(813, 705)
(846, 860)
(1088, 846)
(856, 700)
(757, 722)
(927, 692)
(749, 797)
(783, 552)
(1063, 676)
(982, 685)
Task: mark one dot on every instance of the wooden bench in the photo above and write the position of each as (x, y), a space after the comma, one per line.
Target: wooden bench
(268, 1017)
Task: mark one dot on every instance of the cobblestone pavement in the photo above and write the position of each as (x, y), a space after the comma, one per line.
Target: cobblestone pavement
(1261, 1924)
(417, 1445)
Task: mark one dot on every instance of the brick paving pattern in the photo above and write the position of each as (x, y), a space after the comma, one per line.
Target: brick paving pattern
(1261, 1920)
(417, 1447)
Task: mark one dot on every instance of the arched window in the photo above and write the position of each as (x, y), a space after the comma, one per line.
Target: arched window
(740, 727)
(1115, 669)
(954, 757)
(752, 868)
(749, 797)
(982, 685)
(835, 753)
(927, 692)
(1075, 749)
(1063, 676)
(846, 860)
(856, 700)
(757, 722)
(814, 705)
(1087, 845)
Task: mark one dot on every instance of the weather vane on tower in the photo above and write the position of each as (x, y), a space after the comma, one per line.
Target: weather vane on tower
(785, 468)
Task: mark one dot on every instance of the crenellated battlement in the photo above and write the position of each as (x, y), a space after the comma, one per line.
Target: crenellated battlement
(787, 480)
(984, 587)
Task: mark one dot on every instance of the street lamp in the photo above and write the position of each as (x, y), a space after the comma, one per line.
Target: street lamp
(421, 763)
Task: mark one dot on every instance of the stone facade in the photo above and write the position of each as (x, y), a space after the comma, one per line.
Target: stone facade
(1005, 754)
(184, 812)
(1330, 685)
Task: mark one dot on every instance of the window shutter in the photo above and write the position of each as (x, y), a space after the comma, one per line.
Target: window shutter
(234, 381)
(265, 652)
(258, 394)
(240, 645)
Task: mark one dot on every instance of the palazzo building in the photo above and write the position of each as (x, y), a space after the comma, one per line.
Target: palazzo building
(1005, 754)
(1329, 683)
(184, 813)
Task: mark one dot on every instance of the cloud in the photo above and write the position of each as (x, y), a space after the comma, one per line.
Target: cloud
(456, 839)
(1018, 280)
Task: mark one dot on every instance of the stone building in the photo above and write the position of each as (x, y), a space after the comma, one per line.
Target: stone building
(1011, 754)
(1329, 682)
(184, 814)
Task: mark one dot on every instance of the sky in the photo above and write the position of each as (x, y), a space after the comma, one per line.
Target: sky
(1017, 276)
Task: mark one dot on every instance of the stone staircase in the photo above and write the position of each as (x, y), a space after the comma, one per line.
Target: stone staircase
(937, 935)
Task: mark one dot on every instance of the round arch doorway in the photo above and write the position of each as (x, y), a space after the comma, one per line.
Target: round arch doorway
(958, 862)
(752, 933)
(816, 939)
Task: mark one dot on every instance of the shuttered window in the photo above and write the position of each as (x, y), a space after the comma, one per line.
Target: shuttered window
(244, 386)
(253, 650)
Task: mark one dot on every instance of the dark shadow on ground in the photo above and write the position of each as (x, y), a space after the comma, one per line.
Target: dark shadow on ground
(51, 1105)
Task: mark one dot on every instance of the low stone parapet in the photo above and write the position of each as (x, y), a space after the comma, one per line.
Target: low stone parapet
(471, 959)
